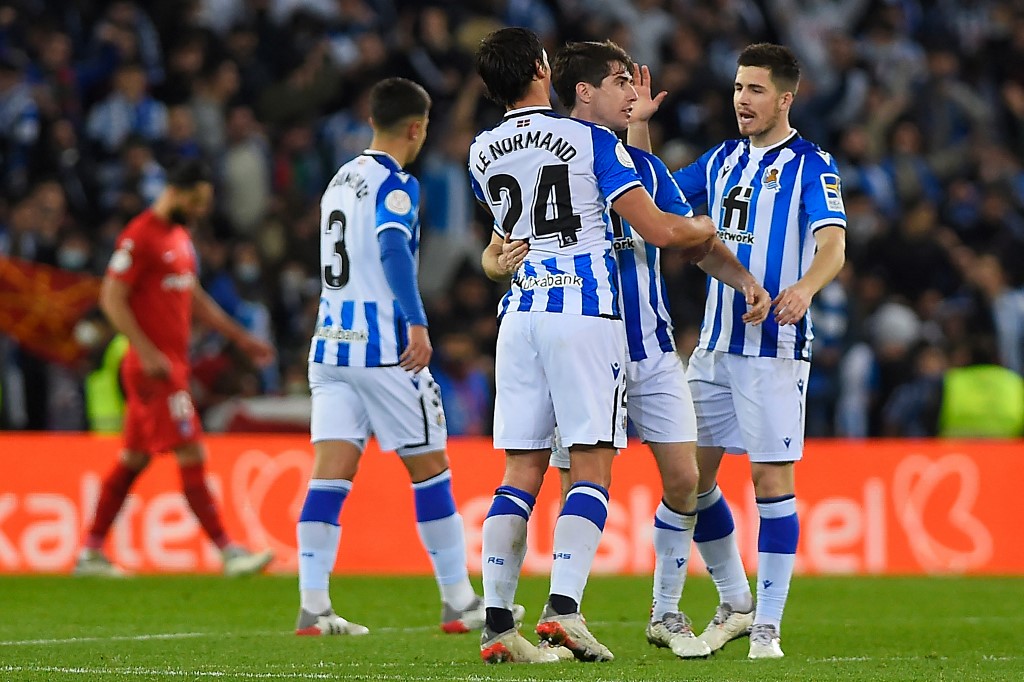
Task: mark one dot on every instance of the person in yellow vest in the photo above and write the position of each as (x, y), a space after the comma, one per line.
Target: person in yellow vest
(104, 397)
(982, 399)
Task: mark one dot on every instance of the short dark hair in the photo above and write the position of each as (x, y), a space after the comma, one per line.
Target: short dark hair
(393, 100)
(778, 59)
(585, 62)
(188, 173)
(507, 61)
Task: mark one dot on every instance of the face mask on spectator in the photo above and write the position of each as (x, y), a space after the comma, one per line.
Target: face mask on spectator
(248, 273)
(72, 259)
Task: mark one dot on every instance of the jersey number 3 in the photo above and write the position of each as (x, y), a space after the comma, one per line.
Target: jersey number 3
(552, 207)
(336, 279)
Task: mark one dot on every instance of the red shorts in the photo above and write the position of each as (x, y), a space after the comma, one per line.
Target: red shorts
(159, 415)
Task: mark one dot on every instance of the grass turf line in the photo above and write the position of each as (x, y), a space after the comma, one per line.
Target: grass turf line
(212, 628)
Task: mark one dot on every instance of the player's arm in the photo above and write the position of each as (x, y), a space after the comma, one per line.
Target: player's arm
(792, 302)
(659, 228)
(502, 257)
(114, 295)
(206, 310)
(397, 205)
(400, 272)
(723, 265)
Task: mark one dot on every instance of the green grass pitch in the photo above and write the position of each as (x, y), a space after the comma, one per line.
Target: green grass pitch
(211, 628)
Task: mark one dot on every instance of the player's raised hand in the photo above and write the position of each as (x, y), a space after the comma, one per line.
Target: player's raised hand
(759, 302)
(791, 305)
(513, 253)
(257, 350)
(645, 105)
(417, 354)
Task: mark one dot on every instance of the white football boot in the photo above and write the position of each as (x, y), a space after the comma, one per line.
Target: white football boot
(726, 626)
(764, 641)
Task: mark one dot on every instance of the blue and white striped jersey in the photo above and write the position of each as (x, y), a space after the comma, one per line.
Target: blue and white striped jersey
(642, 294)
(549, 179)
(767, 203)
(360, 324)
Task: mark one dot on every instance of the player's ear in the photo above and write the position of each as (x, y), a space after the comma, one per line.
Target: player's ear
(786, 101)
(583, 92)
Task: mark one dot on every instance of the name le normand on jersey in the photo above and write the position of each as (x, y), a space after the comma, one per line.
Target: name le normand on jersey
(533, 139)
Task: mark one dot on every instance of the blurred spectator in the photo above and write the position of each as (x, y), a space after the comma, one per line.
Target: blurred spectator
(245, 170)
(127, 110)
(465, 388)
(19, 124)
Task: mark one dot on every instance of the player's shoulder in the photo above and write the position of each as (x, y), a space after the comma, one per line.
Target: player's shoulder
(814, 156)
(643, 157)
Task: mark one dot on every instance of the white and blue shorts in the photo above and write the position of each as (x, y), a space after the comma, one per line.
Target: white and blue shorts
(403, 410)
(554, 367)
(658, 404)
(750, 404)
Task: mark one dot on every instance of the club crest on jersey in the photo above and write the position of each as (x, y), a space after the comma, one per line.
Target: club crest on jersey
(770, 179)
(833, 193)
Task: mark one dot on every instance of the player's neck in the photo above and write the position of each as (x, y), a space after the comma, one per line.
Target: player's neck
(770, 138)
(162, 209)
(396, 149)
(536, 96)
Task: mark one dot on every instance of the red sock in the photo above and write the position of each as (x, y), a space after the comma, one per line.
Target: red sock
(112, 495)
(193, 484)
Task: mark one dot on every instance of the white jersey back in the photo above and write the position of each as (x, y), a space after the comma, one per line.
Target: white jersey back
(549, 179)
(360, 323)
(767, 204)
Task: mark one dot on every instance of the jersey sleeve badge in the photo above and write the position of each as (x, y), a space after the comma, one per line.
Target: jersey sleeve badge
(120, 261)
(623, 156)
(398, 202)
(833, 194)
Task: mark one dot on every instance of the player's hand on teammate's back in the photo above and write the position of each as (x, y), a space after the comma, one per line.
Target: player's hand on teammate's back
(645, 105)
(257, 350)
(417, 354)
(759, 302)
(513, 253)
(791, 305)
(154, 363)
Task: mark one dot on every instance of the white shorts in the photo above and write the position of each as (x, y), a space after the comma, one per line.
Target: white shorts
(404, 411)
(750, 404)
(658, 404)
(566, 369)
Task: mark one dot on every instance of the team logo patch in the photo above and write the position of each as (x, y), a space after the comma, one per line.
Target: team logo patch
(120, 261)
(833, 192)
(770, 179)
(623, 156)
(398, 202)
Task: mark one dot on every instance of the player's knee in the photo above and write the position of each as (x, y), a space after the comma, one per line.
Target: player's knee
(425, 466)
(136, 461)
(772, 479)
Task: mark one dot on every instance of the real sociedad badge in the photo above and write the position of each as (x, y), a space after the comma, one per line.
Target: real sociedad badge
(770, 179)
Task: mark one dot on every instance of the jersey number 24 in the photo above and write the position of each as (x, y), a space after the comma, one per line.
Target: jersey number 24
(553, 193)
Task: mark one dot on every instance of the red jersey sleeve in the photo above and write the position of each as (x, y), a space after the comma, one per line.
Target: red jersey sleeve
(131, 254)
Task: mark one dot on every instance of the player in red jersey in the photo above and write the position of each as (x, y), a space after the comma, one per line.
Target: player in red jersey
(150, 293)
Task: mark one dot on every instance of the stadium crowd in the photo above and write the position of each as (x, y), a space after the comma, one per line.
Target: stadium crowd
(921, 102)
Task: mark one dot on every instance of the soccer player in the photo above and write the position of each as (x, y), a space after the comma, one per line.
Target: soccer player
(149, 294)
(368, 365)
(599, 83)
(560, 353)
(777, 202)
